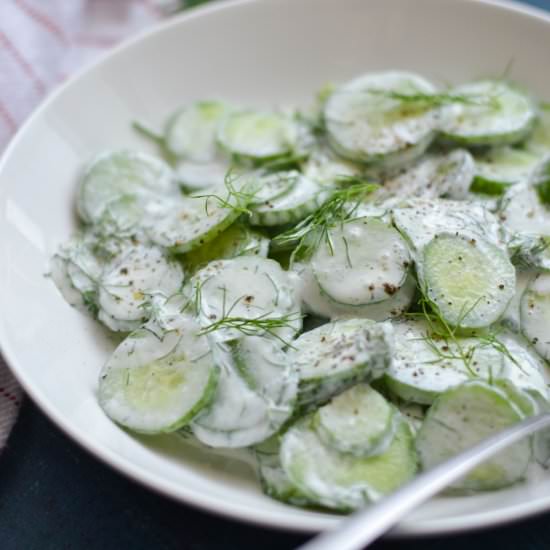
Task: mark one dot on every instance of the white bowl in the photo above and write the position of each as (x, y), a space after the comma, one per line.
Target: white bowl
(254, 52)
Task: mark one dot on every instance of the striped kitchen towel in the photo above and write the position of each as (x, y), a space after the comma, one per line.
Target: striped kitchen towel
(41, 43)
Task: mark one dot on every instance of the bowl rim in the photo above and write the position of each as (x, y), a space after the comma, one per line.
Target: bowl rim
(147, 478)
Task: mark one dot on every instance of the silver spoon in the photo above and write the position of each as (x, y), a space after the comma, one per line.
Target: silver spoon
(367, 525)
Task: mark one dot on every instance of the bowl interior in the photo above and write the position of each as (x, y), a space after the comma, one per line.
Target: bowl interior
(251, 52)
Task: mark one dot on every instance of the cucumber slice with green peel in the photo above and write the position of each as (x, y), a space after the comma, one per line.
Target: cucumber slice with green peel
(191, 131)
(237, 240)
(264, 366)
(540, 181)
(413, 414)
(539, 140)
(501, 167)
(257, 135)
(274, 481)
(523, 213)
(78, 261)
(337, 355)
(343, 481)
(464, 416)
(420, 220)
(325, 167)
(425, 366)
(73, 296)
(193, 176)
(523, 367)
(302, 199)
(271, 186)
(122, 187)
(361, 262)
(245, 413)
(535, 314)
(469, 280)
(511, 316)
(194, 221)
(247, 294)
(129, 280)
(154, 385)
(367, 122)
(433, 176)
(495, 113)
(316, 302)
(359, 421)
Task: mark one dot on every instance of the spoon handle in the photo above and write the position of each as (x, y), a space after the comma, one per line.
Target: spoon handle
(367, 525)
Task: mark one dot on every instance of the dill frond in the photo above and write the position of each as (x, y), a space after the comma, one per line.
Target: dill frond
(315, 228)
(236, 199)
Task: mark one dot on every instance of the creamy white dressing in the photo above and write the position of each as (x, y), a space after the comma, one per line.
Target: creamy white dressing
(361, 262)
(364, 125)
(317, 303)
(128, 281)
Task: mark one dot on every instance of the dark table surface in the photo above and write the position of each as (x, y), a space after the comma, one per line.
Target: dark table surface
(54, 496)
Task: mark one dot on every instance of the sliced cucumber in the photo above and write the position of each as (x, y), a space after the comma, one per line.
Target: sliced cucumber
(470, 281)
(258, 135)
(511, 316)
(495, 113)
(433, 176)
(414, 415)
(359, 421)
(530, 251)
(76, 271)
(302, 198)
(247, 409)
(343, 481)
(464, 416)
(366, 123)
(269, 187)
(523, 367)
(153, 384)
(237, 240)
(247, 289)
(361, 262)
(129, 280)
(425, 366)
(194, 221)
(540, 180)
(335, 356)
(501, 167)
(264, 366)
(191, 132)
(522, 212)
(193, 176)
(539, 140)
(325, 167)
(420, 220)
(274, 481)
(121, 187)
(535, 314)
(317, 303)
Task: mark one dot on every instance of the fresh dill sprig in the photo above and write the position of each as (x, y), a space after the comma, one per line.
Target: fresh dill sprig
(255, 326)
(433, 99)
(439, 330)
(236, 199)
(315, 228)
(524, 257)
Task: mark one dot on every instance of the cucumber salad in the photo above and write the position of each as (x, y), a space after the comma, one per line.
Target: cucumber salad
(353, 292)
